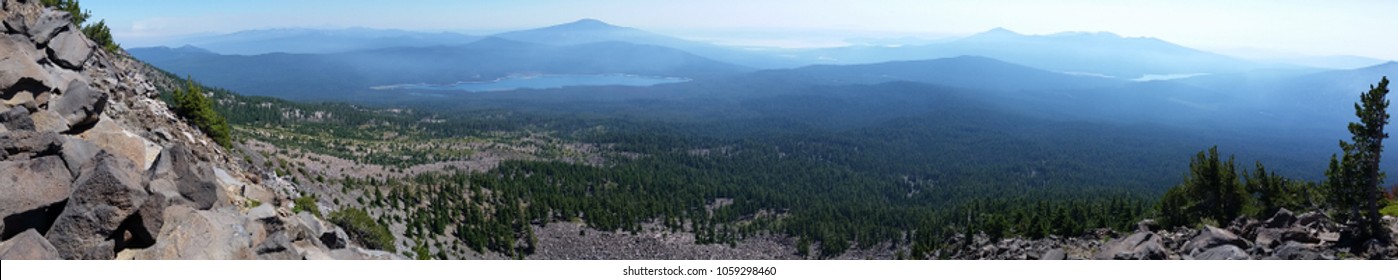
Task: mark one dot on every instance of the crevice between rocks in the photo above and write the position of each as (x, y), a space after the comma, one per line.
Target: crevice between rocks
(24, 84)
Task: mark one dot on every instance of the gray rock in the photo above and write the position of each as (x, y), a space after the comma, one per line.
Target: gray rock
(1293, 250)
(80, 105)
(1210, 237)
(309, 251)
(48, 121)
(22, 70)
(48, 25)
(29, 144)
(19, 99)
(1224, 252)
(1147, 225)
(1282, 219)
(145, 225)
(1273, 237)
(276, 247)
(108, 192)
(1138, 246)
(1244, 226)
(77, 153)
(1392, 225)
(69, 49)
(201, 235)
(306, 226)
(193, 180)
(1313, 219)
(263, 211)
(28, 245)
(1054, 255)
(32, 192)
(202, 191)
(17, 118)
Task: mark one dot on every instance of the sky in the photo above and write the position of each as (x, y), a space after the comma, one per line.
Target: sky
(1303, 27)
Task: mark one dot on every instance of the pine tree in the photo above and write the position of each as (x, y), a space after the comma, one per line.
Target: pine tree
(192, 105)
(1354, 178)
(1211, 191)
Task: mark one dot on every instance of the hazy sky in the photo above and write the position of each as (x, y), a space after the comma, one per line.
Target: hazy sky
(1350, 27)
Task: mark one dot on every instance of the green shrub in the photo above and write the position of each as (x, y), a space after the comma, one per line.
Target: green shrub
(198, 109)
(1391, 210)
(102, 35)
(364, 229)
(305, 203)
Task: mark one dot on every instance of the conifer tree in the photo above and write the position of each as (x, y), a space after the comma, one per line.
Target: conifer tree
(1354, 178)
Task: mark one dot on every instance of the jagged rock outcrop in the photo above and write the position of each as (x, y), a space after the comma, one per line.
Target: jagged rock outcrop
(95, 166)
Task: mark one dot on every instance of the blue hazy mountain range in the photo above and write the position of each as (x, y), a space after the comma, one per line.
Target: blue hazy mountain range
(303, 40)
(329, 76)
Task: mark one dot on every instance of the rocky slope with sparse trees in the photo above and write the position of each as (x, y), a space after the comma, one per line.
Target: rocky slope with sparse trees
(94, 165)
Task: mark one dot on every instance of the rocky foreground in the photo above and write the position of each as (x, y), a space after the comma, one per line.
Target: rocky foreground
(1284, 236)
(94, 166)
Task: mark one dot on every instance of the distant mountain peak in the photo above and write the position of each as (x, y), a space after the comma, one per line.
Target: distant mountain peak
(585, 24)
(999, 31)
(996, 33)
(190, 49)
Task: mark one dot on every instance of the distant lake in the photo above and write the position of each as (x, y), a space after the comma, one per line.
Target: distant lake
(544, 82)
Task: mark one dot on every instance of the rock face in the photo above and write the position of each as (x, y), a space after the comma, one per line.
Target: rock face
(107, 193)
(1138, 246)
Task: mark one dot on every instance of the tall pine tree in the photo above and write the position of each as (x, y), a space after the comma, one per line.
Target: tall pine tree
(1354, 178)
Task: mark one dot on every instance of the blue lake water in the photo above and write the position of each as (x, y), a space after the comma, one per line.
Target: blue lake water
(545, 82)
